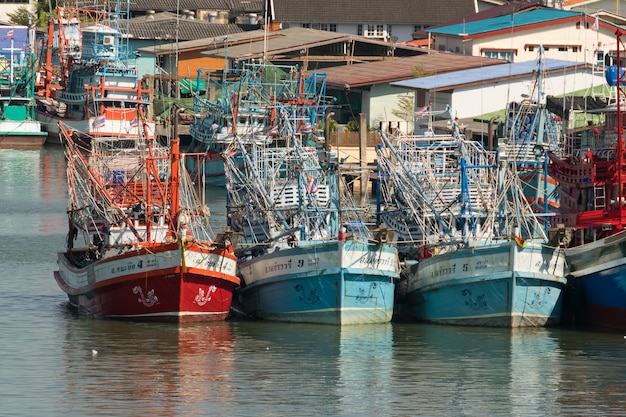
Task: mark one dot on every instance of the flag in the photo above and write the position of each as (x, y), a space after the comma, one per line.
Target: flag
(596, 24)
(9, 35)
(133, 123)
(306, 129)
(422, 110)
(273, 131)
(99, 121)
(311, 186)
(520, 242)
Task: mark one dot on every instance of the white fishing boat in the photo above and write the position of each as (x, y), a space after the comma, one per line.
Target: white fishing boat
(89, 79)
(243, 103)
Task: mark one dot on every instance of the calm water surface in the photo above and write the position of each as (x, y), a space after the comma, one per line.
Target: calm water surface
(48, 366)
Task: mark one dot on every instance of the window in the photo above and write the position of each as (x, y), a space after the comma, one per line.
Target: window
(560, 48)
(306, 25)
(505, 54)
(359, 30)
(328, 27)
(375, 31)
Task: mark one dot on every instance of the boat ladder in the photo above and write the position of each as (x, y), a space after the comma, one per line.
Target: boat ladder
(600, 198)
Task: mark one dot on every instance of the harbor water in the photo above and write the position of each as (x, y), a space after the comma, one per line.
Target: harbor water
(56, 363)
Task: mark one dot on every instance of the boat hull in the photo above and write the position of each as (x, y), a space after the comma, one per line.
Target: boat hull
(115, 125)
(503, 285)
(50, 124)
(599, 271)
(337, 283)
(163, 283)
(21, 133)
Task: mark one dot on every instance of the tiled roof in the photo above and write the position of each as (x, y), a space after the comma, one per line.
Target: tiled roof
(372, 11)
(254, 6)
(356, 75)
(165, 25)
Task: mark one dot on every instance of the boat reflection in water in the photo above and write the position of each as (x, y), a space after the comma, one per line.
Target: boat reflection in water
(315, 367)
(158, 367)
(479, 371)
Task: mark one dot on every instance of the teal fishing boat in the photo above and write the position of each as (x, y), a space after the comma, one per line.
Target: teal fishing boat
(481, 256)
(305, 253)
(18, 126)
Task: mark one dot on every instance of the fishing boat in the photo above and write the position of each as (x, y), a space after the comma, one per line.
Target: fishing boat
(140, 246)
(529, 131)
(593, 215)
(90, 80)
(18, 127)
(242, 102)
(305, 253)
(481, 257)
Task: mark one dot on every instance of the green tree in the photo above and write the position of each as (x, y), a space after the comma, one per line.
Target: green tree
(406, 102)
(406, 107)
(352, 126)
(40, 15)
(21, 16)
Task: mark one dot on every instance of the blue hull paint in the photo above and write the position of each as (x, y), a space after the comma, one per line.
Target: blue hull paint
(599, 269)
(488, 303)
(478, 287)
(333, 293)
(603, 298)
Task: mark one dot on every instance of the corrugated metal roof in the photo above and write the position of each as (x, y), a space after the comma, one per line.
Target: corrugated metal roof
(372, 11)
(479, 75)
(358, 75)
(288, 40)
(283, 40)
(166, 25)
(516, 20)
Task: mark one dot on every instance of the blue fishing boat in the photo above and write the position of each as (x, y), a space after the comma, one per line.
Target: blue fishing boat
(90, 80)
(482, 257)
(305, 254)
(243, 102)
(18, 127)
(592, 216)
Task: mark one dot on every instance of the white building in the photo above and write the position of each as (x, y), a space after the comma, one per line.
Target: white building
(481, 91)
(565, 35)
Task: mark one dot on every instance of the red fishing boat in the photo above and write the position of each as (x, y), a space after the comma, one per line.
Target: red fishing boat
(146, 249)
(592, 216)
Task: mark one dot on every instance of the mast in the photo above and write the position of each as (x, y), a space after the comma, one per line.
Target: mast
(620, 131)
